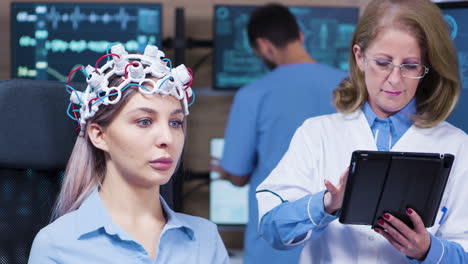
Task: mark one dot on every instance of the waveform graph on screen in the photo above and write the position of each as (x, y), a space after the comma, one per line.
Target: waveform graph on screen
(50, 39)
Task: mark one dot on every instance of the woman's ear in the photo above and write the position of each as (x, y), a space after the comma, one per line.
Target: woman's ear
(96, 136)
(359, 57)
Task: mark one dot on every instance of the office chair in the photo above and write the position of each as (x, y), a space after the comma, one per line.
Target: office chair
(36, 140)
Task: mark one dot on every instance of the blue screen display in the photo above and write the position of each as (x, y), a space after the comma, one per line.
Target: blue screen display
(327, 35)
(456, 15)
(228, 203)
(50, 39)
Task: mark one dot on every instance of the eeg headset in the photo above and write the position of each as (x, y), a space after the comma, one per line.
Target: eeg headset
(133, 69)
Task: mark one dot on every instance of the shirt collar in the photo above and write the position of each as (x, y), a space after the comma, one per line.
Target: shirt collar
(400, 121)
(175, 221)
(92, 215)
(93, 218)
(369, 113)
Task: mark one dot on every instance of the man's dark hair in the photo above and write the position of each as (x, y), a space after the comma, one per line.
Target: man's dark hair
(274, 22)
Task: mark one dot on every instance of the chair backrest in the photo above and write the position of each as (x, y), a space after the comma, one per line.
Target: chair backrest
(36, 140)
(35, 143)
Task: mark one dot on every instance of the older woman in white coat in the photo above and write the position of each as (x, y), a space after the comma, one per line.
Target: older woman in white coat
(403, 84)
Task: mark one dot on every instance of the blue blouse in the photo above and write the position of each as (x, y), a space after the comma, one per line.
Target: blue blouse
(389, 130)
(88, 235)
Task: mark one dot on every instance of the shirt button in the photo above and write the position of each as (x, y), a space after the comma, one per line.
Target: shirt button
(371, 238)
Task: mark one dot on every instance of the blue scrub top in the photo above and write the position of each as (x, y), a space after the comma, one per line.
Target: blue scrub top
(263, 118)
(88, 235)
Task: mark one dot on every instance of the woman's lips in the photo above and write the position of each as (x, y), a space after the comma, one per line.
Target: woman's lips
(393, 93)
(161, 164)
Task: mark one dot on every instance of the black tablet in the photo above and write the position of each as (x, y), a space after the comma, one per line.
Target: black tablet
(381, 182)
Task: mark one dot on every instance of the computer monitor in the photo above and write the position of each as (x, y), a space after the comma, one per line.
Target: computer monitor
(327, 36)
(50, 39)
(456, 15)
(228, 203)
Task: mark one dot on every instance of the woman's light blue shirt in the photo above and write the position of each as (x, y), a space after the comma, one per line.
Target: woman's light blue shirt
(88, 235)
(389, 130)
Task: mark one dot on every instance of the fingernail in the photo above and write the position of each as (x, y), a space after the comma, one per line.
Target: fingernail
(409, 211)
(381, 222)
(386, 216)
(376, 230)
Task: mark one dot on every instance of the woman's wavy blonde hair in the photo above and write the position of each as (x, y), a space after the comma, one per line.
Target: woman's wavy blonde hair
(438, 92)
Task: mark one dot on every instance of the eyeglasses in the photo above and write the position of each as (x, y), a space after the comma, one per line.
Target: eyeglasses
(384, 68)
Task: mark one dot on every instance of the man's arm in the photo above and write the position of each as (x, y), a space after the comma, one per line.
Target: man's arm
(238, 180)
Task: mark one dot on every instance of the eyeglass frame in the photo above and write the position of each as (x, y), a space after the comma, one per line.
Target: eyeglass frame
(426, 69)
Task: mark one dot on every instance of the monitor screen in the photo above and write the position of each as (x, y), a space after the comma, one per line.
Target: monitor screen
(228, 203)
(50, 39)
(327, 36)
(456, 15)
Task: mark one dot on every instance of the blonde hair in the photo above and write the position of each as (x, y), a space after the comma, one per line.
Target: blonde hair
(439, 90)
(86, 167)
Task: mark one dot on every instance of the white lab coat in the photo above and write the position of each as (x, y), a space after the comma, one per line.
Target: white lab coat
(321, 149)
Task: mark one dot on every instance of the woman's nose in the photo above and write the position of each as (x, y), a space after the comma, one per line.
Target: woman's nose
(395, 75)
(163, 136)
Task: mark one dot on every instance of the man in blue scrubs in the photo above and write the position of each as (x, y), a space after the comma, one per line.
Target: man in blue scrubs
(266, 113)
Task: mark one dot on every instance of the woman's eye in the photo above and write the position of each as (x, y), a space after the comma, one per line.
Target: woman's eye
(144, 122)
(176, 123)
(382, 63)
(411, 67)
